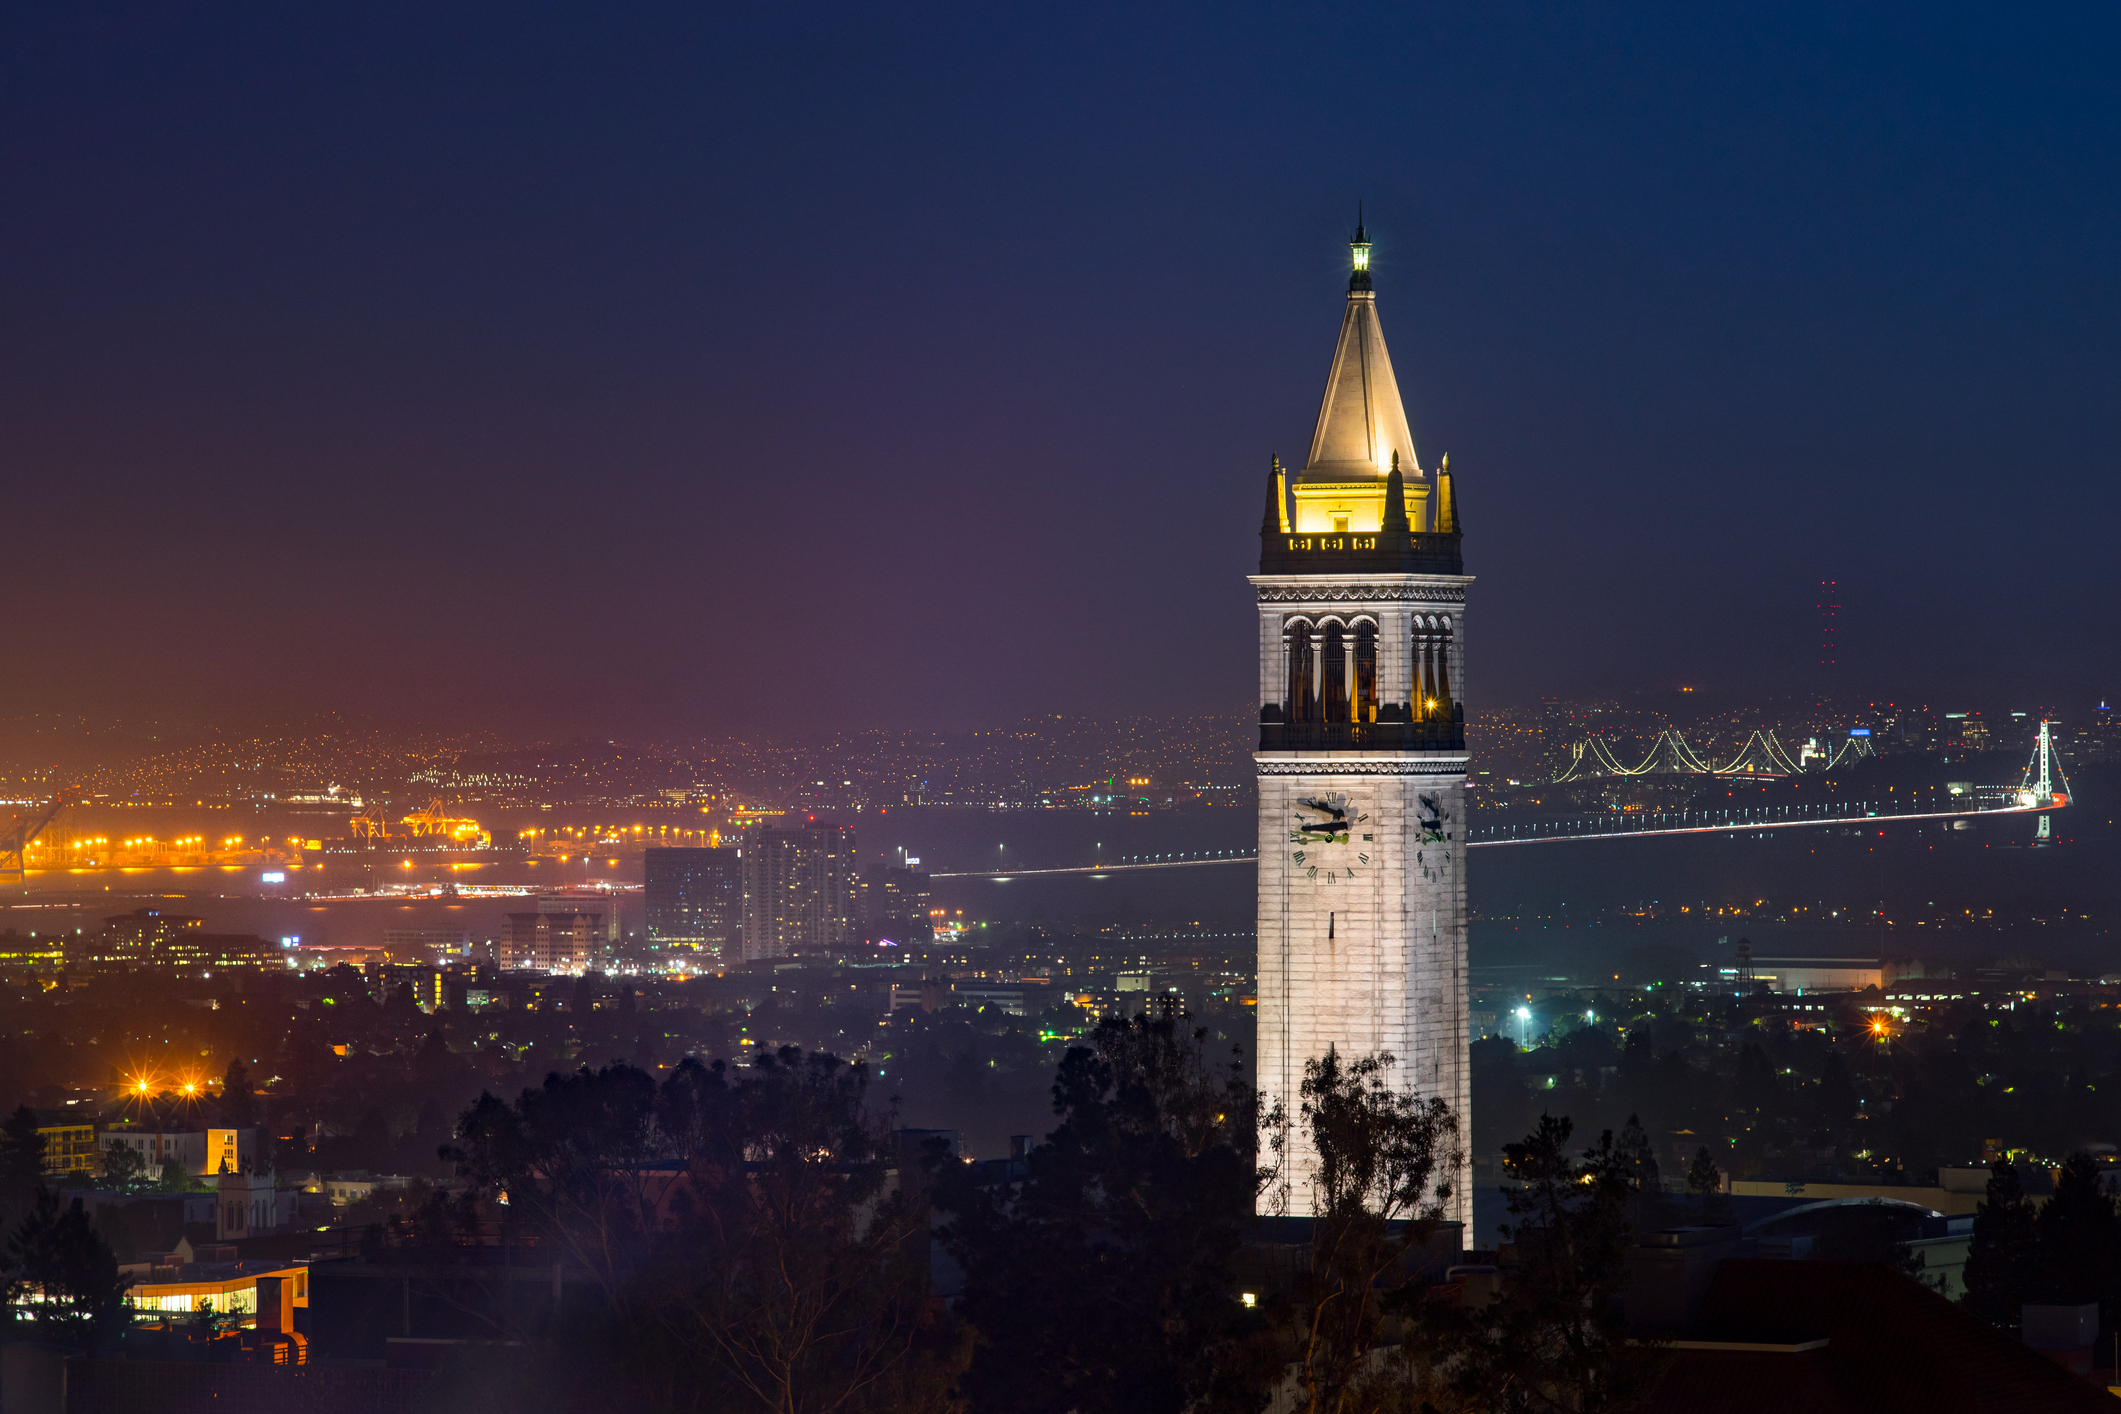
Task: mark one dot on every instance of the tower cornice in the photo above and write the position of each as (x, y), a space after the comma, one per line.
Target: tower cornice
(1287, 588)
(1451, 764)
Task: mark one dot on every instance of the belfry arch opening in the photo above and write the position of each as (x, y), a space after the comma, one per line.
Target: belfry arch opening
(1366, 679)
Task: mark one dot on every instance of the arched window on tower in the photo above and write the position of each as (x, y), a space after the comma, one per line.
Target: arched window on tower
(1365, 672)
(1333, 677)
(1446, 706)
(1421, 657)
(1303, 691)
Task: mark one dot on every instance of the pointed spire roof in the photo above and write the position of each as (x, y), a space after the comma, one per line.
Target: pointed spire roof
(1276, 519)
(1361, 423)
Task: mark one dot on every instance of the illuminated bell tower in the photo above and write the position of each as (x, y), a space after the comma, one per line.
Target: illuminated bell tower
(1361, 594)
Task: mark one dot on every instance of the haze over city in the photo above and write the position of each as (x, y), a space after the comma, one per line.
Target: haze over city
(905, 359)
(999, 712)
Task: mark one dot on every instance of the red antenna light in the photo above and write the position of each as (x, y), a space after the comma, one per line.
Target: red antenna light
(1829, 592)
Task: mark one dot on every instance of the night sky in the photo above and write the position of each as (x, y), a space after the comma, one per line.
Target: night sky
(697, 368)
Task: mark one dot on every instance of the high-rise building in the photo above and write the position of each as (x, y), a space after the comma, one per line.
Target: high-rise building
(801, 889)
(2102, 734)
(895, 905)
(571, 931)
(695, 900)
(1361, 596)
(594, 904)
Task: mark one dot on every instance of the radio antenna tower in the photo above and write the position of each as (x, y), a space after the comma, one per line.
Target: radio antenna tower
(1829, 608)
(1829, 593)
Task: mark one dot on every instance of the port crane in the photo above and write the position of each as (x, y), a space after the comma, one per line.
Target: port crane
(15, 843)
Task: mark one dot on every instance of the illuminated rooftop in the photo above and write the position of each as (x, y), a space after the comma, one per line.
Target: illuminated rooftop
(1362, 427)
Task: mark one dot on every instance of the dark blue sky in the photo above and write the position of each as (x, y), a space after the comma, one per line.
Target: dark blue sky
(668, 368)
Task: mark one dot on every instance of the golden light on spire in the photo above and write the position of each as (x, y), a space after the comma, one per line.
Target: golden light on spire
(1360, 250)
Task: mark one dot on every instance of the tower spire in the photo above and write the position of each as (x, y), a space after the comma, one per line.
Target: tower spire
(1362, 424)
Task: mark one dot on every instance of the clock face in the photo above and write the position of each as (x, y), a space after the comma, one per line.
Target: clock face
(1436, 831)
(1331, 838)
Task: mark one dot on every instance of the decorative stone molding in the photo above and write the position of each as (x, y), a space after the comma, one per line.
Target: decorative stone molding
(1381, 593)
(1313, 766)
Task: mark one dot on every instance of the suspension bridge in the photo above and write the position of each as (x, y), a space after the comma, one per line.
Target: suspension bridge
(2043, 788)
(1762, 755)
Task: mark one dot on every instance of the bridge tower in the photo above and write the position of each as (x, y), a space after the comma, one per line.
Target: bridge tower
(2041, 769)
(1361, 595)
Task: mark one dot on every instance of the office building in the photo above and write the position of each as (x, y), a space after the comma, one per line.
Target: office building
(801, 889)
(601, 909)
(555, 942)
(428, 990)
(571, 931)
(695, 901)
(148, 937)
(69, 1142)
(895, 903)
(199, 1152)
(426, 945)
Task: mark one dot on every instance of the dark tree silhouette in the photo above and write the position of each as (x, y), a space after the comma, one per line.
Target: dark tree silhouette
(21, 1159)
(1556, 1340)
(239, 1103)
(2002, 1259)
(743, 1223)
(1099, 1278)
(56, 1254)
(2078, 1237)
(1386, 1160)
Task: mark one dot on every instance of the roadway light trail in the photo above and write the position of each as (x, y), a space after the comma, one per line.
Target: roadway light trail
(1732, 827)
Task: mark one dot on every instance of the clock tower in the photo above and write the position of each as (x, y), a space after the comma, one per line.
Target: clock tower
(1361, 594)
